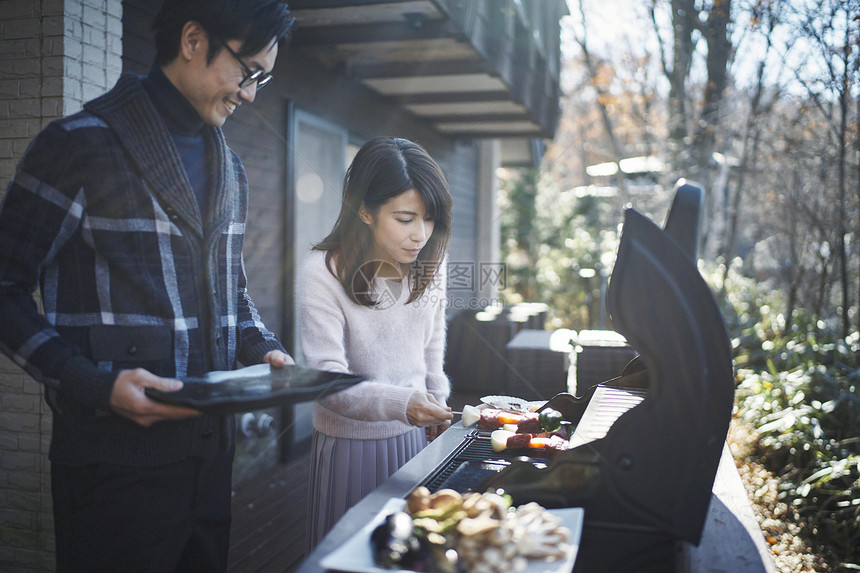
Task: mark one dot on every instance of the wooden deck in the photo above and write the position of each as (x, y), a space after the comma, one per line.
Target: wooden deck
(268, 532)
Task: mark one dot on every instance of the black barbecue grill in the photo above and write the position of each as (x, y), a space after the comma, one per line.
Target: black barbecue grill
(648, 442)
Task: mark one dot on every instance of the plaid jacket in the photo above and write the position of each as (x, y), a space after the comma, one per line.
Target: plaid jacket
(101, 215)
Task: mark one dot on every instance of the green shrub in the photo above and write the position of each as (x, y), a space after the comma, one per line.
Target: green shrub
(800, 390)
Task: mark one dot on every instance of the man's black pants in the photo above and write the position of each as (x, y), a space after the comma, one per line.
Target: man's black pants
(160, 519)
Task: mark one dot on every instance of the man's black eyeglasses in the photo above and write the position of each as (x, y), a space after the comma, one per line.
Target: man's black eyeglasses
(251, 76)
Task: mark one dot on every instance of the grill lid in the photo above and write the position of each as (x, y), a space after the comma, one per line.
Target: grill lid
(654, 468)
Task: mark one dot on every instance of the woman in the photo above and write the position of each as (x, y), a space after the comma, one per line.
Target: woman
(372, 303)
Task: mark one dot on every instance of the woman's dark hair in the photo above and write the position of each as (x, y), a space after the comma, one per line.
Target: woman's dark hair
(384, 168)
(255, 22)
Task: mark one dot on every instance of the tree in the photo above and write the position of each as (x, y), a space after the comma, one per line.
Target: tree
(764, 18)
(694, 131)
(829, 75)
(519, 240)
(766, 90)
(597, 71)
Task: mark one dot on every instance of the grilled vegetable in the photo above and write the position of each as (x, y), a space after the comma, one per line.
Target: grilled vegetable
(499, 439)
(550, 420)
(471, 415)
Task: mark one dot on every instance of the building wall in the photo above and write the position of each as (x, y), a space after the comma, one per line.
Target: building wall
(54, 55)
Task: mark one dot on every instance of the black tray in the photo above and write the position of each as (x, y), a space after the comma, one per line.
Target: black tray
(255, 388)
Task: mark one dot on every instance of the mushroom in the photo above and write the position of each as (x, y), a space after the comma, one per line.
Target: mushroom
(474, 526)
(444, 498)
(418, 500)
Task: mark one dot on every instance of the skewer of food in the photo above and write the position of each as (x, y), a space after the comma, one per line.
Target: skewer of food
(544, 432)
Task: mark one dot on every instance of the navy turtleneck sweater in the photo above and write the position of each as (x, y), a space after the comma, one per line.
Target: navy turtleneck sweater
(185, 127)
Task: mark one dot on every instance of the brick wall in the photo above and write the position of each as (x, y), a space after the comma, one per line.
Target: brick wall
(54, 55)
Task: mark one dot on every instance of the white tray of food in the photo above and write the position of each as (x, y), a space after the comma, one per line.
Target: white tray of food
(356, 555)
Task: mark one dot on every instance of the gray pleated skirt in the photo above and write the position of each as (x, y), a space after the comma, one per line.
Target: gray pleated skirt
(342, 471)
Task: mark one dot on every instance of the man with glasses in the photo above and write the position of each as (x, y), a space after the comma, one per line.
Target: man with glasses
(129, 217)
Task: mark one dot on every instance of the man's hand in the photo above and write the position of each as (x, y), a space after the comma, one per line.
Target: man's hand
(278, 359)
(128, 398)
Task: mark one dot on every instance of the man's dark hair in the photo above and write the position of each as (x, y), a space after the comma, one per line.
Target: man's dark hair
(254, 22)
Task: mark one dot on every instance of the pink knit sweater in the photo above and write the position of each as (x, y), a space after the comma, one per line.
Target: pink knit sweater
(399, 347)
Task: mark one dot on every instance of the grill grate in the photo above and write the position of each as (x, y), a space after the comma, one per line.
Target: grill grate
(475, 459)
(475, 447)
